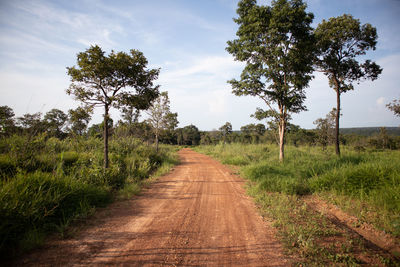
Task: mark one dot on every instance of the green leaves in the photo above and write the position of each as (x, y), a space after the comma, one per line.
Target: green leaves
(99, 79)
(276, 43)
(340, 41)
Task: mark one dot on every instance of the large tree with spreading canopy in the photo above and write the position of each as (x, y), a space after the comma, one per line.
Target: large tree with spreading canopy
(276, 43)
(111, 81)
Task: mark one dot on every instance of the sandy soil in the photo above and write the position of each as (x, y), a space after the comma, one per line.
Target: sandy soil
(197, 215)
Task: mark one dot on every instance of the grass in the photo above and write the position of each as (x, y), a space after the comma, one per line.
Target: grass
(47, 184)
(366, 184)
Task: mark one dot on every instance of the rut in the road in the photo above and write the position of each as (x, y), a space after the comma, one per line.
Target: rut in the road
(196, 215)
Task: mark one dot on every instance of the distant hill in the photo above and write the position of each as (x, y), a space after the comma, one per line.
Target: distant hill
(368, 131)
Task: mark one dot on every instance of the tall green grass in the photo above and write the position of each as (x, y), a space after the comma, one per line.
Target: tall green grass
(45, 184)
(371, 178)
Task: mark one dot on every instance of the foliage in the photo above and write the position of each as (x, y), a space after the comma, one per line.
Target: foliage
(160, 116)
(277, 45)
(7, 123)
(340, 41)
(40, 201)
(394, 106)
(188, 135)
(32, 124)
(55, 120)
(101, 80)
(325, 128)
(78, 119)
(252, 132)
(226, 131)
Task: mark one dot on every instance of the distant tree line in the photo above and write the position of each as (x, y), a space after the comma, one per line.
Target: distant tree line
(323, 135)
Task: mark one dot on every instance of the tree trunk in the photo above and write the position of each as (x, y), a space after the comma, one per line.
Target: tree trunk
(337, 121)
(282, 128)
(105, 136)
(156, 142)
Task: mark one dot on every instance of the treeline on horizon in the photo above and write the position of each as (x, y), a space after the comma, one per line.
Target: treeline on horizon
(74, 123)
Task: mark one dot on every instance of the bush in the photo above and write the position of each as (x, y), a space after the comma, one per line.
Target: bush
(7, 167)
(41, 202)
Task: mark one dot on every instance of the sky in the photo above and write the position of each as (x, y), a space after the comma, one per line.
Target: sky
(187, 40)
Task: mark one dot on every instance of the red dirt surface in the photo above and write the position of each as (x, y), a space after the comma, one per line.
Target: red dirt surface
(198, 215)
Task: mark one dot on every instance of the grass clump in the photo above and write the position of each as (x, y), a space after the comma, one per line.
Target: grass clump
(35, 203)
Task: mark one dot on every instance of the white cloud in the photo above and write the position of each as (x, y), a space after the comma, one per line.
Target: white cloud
(380, 101)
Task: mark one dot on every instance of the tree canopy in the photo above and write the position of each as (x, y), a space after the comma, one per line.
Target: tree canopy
(276, 42)
(55, 120)
(7, 123)
(78, 119)
(160, 116)
(340, 41)
(111, 81)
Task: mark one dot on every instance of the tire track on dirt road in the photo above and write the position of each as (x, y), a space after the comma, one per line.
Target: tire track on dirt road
(198, 215)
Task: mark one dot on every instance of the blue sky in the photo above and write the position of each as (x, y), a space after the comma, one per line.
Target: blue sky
(187, 40)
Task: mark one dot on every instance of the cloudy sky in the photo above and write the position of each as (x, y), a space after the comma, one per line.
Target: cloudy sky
(187, 40)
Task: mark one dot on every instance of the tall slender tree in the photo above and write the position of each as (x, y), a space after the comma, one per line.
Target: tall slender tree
(325, 129)
(109, 81)
(160, 115)
(340, 41)
(226, 131)
(276, 42)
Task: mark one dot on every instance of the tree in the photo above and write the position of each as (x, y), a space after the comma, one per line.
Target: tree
(277, 45)
(226, 131)
(168, 135)
(55, 120)
(395, 107)
(160, 116)
(130, 114)
(78, 119)
(32, 123)
(340, 41)
(273, 120)
(7, 123)
(189, 135)
(205, 139)
(252, 132)
(111, 81)
(326, 128)
(96, 130)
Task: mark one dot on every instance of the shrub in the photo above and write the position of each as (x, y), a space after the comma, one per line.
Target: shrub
(7, 166)
(41, 202)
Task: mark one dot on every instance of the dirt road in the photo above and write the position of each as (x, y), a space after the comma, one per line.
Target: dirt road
(195, 216)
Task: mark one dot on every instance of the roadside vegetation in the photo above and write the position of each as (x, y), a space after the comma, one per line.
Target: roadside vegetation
(364, 184)
(47, 183)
